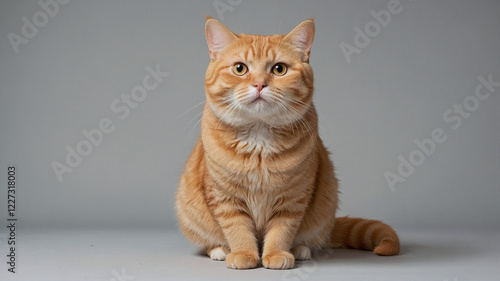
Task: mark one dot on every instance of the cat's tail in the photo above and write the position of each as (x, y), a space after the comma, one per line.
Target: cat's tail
(355, 233)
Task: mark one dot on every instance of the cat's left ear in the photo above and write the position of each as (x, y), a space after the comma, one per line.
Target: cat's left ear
(302, 38)
(218, 37)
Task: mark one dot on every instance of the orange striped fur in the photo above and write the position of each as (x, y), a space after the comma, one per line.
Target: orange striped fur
(259, 183)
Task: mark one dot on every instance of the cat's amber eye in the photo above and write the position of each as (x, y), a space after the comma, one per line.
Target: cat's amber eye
(279, 69)
(240, 69)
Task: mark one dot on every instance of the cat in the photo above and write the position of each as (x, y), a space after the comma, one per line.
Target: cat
(259, 181)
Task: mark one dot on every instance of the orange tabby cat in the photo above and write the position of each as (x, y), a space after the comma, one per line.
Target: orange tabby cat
(260, 180)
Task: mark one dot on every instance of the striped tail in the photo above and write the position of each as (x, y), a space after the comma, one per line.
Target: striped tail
(355, 233)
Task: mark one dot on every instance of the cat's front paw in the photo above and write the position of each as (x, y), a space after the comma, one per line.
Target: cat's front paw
(278, 260)
(301, 252)
(242, 260)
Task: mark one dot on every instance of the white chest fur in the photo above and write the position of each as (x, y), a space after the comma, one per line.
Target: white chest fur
(257, 138)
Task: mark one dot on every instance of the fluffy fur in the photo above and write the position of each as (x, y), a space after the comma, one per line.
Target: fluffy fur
(259, 182)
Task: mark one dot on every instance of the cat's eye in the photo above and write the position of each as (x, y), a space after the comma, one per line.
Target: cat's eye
(240, 69)
(279, 69)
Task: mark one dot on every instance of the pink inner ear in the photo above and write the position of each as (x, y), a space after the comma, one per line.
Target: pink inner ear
(303, 40)
(216, 42)
(218, 37)
(302, 37)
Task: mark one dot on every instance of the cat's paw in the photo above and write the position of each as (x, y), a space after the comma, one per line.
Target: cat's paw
(242, 260)
(278, 260)
(301, 253)
(218, 253)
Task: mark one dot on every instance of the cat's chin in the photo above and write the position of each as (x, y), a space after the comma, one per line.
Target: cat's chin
(260, 107)
(272, 119)
(256, 112)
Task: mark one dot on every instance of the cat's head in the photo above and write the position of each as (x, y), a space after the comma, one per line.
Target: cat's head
(255, 78)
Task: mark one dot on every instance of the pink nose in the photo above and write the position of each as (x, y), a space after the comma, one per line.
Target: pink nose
(259, 85)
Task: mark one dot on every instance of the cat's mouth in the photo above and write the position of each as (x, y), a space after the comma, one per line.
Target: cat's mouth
(258, 105)
(259, 99)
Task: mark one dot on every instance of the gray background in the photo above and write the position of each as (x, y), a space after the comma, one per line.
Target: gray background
(371, 110)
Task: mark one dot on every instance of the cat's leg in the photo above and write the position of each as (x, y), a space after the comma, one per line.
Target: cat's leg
(239, 230)
(301, 252)
(278, 241)
(240, 236)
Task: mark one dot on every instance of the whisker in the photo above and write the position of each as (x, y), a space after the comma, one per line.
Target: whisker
(190, 135)
(300, 120)
(190, 109)
(290, 113)
(229, 109)
(285, 112)
(296, 101)
(197, 115)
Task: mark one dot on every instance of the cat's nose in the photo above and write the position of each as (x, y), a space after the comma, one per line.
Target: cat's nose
(259, 85)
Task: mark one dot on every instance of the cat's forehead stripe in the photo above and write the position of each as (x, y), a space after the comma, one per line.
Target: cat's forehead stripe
(259, 48)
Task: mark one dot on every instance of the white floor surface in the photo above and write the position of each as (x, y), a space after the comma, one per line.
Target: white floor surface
(126, 255)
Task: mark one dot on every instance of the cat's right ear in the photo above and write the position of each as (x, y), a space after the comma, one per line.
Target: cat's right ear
(218, 37)
(302, 38)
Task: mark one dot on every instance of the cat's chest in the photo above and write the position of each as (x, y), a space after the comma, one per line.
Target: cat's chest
(258, 138)
(261, 209)
(262, 184)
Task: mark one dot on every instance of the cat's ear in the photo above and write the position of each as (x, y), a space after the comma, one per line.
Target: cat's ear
(301, 37)
(218, 37)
